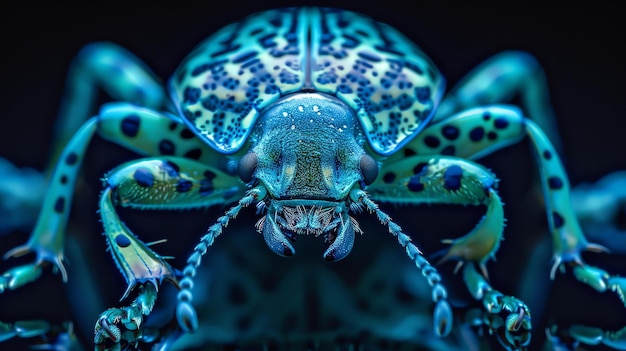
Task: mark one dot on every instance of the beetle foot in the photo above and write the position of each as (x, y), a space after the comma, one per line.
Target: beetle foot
(578, 334)
(601, 280)
(19, 276)
(123, 325)
(595, 277)
(506, 316)
(23, 329)
(597, 336)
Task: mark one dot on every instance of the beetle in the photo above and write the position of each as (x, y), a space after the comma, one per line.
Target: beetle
(307, 113)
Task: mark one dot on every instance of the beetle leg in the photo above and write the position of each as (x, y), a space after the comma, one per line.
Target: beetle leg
(498, 80)
(152, 183)
(477, 132)
(506, 316)
(578, 334)
(448, 180)
(101, 65)
(98, 66)
(139, 129)
(51, 336)
(116, 71)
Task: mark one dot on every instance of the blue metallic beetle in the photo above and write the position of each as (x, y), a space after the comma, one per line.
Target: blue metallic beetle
(311, 115)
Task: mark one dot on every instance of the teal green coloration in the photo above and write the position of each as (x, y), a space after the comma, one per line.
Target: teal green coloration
(224, 84)
(313, 115)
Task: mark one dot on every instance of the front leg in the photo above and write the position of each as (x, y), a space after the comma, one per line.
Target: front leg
(448, 180)
(154, 183)
(480, 131)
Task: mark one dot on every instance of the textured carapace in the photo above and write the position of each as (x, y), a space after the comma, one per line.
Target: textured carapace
(226, 82)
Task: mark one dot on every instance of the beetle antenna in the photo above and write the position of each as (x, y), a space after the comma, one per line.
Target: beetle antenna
(443, 311)
(185, 312)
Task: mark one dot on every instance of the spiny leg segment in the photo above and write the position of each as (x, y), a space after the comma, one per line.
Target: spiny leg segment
(97, 66)
(146, 132)
(154, 183)
(449, 180)
(139, 129)
(508, 316)
(479, 131)
(123, 76)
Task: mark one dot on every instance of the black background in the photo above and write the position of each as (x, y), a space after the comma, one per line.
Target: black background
(579, 46)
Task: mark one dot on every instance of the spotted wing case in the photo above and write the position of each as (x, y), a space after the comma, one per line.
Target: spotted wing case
(391, 84)
(386, 79)
(224, 83)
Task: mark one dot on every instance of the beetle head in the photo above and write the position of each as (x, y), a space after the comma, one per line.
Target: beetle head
(307, 151)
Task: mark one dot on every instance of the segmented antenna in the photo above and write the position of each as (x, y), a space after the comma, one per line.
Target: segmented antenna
(185, 312)
(443, 311)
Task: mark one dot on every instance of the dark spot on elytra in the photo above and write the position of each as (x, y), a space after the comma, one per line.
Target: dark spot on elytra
(59, 204)
(431, 141)
(166, 147)
(369, 56)
(423, 94)
(122, 240)
(130, 126)
(183, 185)
(144, 177)
(209, 174)
(194, 154)
(172, 125)
(555, 183)
(557, 219)
(389, 177)
(450, 132)
(63, 179)
(486, 115)
(71, 158)
(492, 135)
(452, 178)
(477, 134)
(415, 184)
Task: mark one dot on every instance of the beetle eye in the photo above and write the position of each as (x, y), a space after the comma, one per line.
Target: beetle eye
(247, 165)
(369, 169)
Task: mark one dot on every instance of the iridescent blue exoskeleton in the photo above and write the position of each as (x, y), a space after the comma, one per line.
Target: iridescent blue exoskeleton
(312, 115)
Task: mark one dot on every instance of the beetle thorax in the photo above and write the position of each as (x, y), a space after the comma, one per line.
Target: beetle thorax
(308, 147)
